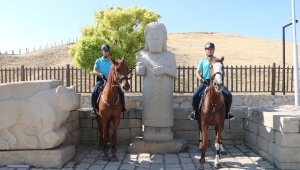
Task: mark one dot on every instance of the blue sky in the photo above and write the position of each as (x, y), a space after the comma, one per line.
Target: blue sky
(31, 23)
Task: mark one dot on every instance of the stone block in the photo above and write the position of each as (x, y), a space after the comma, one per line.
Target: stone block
(181, 113)
(85, 113)
(87, 123)
(51, 158)
(265, 155)
(233, 134)
(287, 139)
(236, 124)
(262, 143)
(154, 147)
(289, 124)
(130, 123)
(88, 134)
(239, 111)
(186, 125)
(134, 132)
(266, 132)
(250, 138)
(287, 165)
(285, 154)
(271, 147)
(122, 133)
(188, 135)
(250, 126)
(75, 115)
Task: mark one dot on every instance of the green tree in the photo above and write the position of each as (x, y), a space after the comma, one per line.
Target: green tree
(121, 28)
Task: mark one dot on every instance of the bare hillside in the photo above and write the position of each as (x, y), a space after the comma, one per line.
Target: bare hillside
(188, 47)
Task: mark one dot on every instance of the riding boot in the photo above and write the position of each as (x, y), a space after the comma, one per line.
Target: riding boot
(122, 99)
(229, 115)
(194, 115)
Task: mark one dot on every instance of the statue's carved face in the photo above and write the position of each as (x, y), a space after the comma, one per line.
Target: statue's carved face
(155, 40)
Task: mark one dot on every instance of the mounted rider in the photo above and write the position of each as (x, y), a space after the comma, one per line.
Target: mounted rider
(101, 70)
(203, 73)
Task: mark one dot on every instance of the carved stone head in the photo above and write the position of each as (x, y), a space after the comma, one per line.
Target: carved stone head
(155, 37)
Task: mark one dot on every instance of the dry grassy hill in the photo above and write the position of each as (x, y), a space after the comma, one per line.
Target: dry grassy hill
(188, 47)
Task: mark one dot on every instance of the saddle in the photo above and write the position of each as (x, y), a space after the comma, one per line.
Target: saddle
(202, 96)
(96, 94)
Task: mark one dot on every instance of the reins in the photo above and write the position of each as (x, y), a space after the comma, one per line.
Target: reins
(114, 85)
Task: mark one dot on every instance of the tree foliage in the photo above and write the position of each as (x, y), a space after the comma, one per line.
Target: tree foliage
(121, 28)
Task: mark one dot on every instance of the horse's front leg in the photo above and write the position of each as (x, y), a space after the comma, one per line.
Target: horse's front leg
(100, 132)
(203, 145)
(104, 125)
(200, 138)
(116, 122)
(218, 145)
(222, 149)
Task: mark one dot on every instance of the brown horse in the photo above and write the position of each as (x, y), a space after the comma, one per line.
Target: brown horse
(212, 111)
(110, 106)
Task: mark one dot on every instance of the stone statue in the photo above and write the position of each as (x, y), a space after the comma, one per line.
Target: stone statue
(31, 116)
(158, 67)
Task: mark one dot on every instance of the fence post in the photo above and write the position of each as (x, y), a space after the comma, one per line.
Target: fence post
(68, 75)
(273, 79)
(22, 73)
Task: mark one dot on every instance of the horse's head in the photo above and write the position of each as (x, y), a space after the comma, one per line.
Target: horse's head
(121, 73)
(217, 73)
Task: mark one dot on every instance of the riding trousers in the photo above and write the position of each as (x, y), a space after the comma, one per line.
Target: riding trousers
(197, 96)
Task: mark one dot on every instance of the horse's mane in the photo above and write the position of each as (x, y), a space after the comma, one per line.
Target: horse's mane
(216, 59)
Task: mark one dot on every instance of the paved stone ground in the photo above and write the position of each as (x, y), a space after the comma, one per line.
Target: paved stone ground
(89, 157)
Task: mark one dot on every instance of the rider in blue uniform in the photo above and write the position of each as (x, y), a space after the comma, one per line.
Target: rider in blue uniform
(203, 73)
(101, 70)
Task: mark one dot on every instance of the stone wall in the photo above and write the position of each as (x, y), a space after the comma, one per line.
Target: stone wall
(131, 123)
(133, 100)
(131, 127)
(273, 132)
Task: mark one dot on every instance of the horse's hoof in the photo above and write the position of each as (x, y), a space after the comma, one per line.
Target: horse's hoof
(217, 166)
(105, 158)
(201, 166)
(114, 159)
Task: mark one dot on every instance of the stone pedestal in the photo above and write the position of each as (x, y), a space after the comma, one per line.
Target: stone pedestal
(157, 133)
(139, 145)
(52, 158)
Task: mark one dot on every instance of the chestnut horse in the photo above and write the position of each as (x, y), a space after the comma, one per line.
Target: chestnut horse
(110, 106)
(212, 111)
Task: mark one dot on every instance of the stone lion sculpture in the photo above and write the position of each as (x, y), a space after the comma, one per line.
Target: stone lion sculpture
(32, 119)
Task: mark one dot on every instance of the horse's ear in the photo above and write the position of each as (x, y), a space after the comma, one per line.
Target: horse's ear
(222, 59)
(114, 61)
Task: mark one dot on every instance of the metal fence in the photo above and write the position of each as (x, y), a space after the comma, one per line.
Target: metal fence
(237, 78)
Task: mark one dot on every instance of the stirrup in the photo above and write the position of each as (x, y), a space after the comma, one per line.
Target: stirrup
(193, 116)
(93, 113)
(230, 116)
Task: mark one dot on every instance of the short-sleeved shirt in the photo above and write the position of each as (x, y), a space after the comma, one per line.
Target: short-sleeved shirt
(204, 67)
(103, 66)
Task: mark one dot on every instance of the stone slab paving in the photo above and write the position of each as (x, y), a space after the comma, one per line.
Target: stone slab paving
(88, 157)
